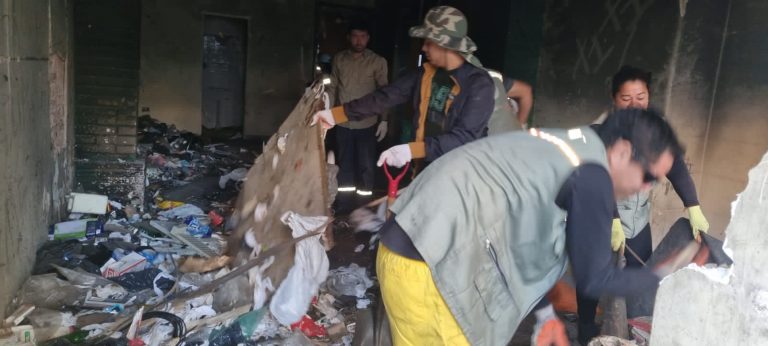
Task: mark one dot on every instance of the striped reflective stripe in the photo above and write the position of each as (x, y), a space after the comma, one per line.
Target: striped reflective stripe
(346, 188)
(562, 145)
(496, 75)
(364, 192)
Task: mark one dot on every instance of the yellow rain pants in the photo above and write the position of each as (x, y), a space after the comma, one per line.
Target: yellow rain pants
(417, 312)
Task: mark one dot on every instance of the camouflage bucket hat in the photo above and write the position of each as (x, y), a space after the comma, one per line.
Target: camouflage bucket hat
(446, 26)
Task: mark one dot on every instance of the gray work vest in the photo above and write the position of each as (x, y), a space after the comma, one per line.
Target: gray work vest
(503, 118)
(484, 218)
(635, 213)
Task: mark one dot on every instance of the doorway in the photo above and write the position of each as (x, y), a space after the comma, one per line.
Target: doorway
(224, 54)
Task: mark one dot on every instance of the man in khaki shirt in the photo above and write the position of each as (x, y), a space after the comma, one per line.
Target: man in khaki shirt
(356, 72)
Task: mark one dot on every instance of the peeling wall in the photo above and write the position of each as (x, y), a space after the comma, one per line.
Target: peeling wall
(279, 59)
(35, 130)
(708, 63)
(737, 134)
(690, 85)
(61, 102)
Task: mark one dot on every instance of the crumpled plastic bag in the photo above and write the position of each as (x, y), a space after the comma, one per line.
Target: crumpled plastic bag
(325, 306)
(238, 174)
(262, 284)
(348, 281)
(48, 291)
(368, 220)
(182, 212)
(81, 277)
(291, 300)
(231, 294)
(50, 324)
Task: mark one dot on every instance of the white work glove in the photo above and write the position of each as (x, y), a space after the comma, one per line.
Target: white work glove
(325, 117)
(381, 131)
(549, 330)
(396, 156)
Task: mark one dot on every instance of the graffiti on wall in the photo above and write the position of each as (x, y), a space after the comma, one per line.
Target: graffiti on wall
(620, 19)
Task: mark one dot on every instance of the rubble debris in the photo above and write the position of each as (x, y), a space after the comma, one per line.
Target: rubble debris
(348, 281)
(611, 341)
(202, 265)
(122, 270)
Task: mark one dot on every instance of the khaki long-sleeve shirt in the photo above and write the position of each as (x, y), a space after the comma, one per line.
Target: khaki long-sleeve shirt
(354, 77)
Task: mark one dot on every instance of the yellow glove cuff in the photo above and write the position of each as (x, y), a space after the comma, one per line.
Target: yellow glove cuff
(617, 235)
(699, 223)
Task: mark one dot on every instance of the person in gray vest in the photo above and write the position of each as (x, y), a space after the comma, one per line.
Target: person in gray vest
(480, 236)
(513, 100)
(521, 94)
(630, 88)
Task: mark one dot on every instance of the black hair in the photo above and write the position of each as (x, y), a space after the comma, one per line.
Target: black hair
(359, 25)
(628, 73)
(647, 130)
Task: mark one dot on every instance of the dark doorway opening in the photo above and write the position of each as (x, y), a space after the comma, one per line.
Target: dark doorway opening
(224, 54)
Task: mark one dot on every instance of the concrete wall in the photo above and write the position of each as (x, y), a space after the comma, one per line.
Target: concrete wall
(35, 130)
(708, 64)
(737, 131)
(278, 66)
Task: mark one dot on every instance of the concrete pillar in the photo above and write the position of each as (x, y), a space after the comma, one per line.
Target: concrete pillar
(35, 130)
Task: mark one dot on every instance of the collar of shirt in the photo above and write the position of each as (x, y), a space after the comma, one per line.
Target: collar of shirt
(461, 72)
(348, 53)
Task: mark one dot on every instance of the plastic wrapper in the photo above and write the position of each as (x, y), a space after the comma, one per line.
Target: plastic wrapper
(233, 293)
(50, 324)
(81, 277)
(48, 291)
(137, 281)
(70, 254)
(348, 281)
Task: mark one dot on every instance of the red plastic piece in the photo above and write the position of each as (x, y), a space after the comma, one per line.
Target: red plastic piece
(136, 342)
(216, 219)
(309, 327)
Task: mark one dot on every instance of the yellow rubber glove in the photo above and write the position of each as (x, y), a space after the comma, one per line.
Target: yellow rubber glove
(699, 223)
(617, 235)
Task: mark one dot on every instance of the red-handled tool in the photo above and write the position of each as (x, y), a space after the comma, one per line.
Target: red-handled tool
(394, 183)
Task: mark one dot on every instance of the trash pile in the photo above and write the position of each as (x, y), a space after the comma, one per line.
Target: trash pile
(181, 168)
(155, 272)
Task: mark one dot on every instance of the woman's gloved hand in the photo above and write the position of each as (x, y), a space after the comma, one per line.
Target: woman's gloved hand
(699, 223)
(618, 239)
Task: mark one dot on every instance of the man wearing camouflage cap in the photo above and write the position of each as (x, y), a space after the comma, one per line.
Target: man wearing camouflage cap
(453, 100)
